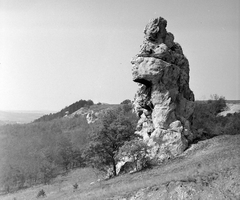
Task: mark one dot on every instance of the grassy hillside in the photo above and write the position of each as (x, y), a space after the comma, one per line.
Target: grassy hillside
(36, 153)
(210, 167)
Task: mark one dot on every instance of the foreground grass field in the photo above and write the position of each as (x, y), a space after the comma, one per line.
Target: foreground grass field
(218, 158)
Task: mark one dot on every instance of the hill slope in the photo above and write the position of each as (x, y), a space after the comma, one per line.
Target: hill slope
(65, 111)
(209, 170)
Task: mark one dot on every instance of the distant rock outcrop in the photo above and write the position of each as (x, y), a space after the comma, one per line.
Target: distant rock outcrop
(164, 101)
(94, 112)
(230, 109)
(90, 115)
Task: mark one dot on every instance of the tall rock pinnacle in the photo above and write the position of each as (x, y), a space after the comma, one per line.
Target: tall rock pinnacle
(164, 101)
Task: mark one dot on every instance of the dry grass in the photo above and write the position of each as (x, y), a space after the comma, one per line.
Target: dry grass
(217, 155)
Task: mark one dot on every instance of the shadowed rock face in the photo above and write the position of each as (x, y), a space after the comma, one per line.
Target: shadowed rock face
(164, 101)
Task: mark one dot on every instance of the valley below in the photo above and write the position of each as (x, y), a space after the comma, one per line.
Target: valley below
(19, 117)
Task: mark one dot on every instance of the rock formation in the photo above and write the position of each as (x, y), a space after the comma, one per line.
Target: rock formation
(164, 101)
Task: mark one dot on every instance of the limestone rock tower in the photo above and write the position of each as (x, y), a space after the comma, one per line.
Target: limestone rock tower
(164, 101)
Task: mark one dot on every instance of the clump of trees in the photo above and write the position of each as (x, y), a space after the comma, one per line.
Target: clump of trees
(126, 101)
(137, 153)
(207, 123)
(115, 129)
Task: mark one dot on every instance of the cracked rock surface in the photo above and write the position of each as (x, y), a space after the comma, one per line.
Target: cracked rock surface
(164, 101)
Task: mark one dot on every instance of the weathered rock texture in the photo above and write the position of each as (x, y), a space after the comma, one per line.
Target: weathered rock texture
(164, 101)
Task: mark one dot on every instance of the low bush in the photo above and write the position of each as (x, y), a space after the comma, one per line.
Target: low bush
(135, 153)
(41, 193)
(75, 186)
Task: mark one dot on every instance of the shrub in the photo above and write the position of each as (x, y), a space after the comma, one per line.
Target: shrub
(41, 193)
(127, 101)
(216, 104)
(135, 155)
(75, 186)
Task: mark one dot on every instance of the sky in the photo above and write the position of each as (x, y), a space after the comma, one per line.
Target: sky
(56, 52)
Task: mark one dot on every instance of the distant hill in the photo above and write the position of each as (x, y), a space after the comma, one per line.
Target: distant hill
(86, 108)
(19, 117)
(66, 111)
(82, 107)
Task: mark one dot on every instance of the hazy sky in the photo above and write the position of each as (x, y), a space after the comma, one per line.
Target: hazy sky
(56, 52)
